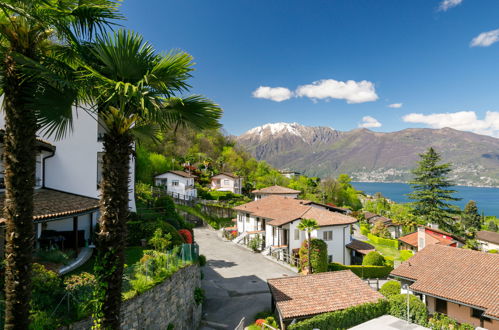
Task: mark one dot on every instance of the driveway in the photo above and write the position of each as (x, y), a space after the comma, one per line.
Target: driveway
(235, 281)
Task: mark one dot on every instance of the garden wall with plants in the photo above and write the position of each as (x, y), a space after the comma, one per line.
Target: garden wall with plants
(172, 302)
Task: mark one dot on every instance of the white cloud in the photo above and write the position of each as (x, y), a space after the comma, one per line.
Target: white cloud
(485, 39)
(448, 4)
(277, 94)
(395, 105)
(369, 122)
(461, 120)
(351, 91)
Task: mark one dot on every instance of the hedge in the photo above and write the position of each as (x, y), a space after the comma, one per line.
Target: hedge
(373, 258)
(318, 254)
(363, 271)
(345, 318)
(405, 254)
(417, 309)
(390, 288)
(364, 229)
(383, 241)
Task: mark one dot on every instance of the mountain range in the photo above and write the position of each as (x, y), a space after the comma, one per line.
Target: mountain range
(373, 156)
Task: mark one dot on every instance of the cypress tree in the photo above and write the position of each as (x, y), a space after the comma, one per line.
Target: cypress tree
(432, 192)
(471, 219)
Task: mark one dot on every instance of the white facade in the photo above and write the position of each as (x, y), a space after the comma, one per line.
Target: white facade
(487, 246)
(180, 185)
(336, 237)
(223, 182)
(74, 167)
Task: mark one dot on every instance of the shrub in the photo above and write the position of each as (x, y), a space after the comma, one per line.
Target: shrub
(202, 260)
(160, 241)
(345, 318)
(492, 251)
(373, 258)
(381, 230)
(143, 193)
(186, 235)
(389, 261)
(144, 229)
(255, 243)
(198, 295)
(383, 241)
(390, 288)
(441, 321)
(364, 229)
(47, 288)
(318, 255)
(55, 256)
(406, 254)
(80, 288)
(417, 309)
(264, 314)
(363, 271)
(43, 320)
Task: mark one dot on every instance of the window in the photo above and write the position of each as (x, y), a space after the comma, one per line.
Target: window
(441, 306)
(327, 235)
(247, 217)
(175, 183)
(297, 234)
(226, 182)
(39, 172)
(240, 218)
(164, 182)
(330, 258)
(476, 313)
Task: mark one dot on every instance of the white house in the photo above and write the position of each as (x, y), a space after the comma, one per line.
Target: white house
(289, 174)
(488, 240)
(394, 229)
(67, 176)
(275, 191)
(179, 184)
(276, 218)
(227, 182)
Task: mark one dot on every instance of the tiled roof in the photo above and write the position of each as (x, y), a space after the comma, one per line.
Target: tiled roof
(40, 143)
(412, 239)
(465, 276)
(370, 215)
(282, 210)
(50, 203)
(181, 173)
(488, 236)
(276, 190)
(309, 295)
(385, 221)
(359, 246)
(230, 175)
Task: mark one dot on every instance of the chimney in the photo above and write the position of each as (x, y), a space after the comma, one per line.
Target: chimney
(421, 238)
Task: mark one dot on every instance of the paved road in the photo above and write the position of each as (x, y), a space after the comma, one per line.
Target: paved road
(234, 281)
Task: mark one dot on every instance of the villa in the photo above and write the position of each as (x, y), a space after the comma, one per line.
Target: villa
(68, 173)
(488, 240)
(275, 191)
(178, 184)
(227, 182)
(300, 297)
(425, 236)
(461, 283)
(275, 219)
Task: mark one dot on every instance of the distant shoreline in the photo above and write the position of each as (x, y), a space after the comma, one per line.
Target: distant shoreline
(456, 185)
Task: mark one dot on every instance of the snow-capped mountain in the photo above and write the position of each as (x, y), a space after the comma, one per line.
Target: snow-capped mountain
(292, 131)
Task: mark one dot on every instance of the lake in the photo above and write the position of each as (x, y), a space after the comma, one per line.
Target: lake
(487, 199)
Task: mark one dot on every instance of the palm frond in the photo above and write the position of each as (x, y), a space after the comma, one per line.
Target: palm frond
(193, 111)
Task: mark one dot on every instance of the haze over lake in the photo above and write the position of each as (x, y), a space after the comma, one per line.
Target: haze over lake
(487, 199)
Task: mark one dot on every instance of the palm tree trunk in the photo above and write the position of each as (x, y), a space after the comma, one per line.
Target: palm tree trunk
(19, 162)
(309, 254)
(111, 237)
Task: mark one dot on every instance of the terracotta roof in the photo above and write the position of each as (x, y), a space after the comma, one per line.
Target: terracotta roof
(276, 190)
(465, 276)
(385, 221)
(181, 173)
(282, 210)
(359, 246)
(230, 175)
(370, 215)
(308, 295)
(412, 239)
(488, 236)
(50, 203)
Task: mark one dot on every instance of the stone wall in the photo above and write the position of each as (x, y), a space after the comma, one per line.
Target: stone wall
(171, 302)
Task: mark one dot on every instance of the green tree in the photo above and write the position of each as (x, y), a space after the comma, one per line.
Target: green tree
(38, 39)
(318, 255)
(431, 191)
(308, 226)
(471, 219)
(373, 258)
(492, 225)
(134, 91)
(381, 230)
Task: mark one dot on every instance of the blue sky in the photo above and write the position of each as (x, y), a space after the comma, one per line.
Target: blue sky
(439, 59)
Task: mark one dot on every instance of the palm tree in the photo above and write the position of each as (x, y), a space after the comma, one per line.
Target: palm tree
(37, 93)
(134, 88)
(308, 225)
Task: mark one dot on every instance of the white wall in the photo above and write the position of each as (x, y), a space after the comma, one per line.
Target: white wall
(226, 183)
(74, 166)
(486, 246)
(185, 185)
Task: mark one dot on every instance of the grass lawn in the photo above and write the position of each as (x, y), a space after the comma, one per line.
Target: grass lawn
(132, 256)
(386, 251)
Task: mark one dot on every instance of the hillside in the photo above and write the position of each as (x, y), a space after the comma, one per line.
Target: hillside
(372, 156)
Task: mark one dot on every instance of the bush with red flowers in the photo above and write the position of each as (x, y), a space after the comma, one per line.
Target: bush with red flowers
(186, 235)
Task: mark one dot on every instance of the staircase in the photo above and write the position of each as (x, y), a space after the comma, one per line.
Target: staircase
(239, 238)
